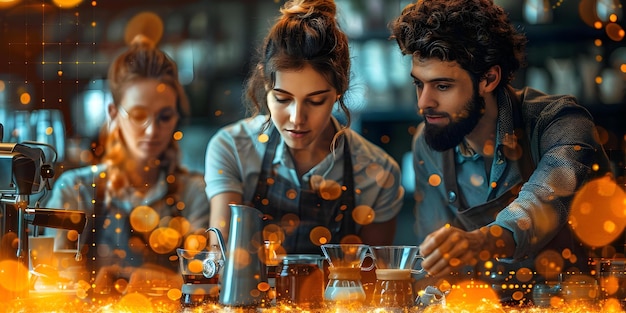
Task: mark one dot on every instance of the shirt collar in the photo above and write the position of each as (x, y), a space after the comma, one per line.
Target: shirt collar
(283, 157)
(504, 129)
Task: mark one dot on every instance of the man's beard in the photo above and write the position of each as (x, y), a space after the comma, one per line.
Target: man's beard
(442, 138)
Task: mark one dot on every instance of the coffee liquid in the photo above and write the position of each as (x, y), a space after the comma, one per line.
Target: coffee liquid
(198, 290)
(300, 283)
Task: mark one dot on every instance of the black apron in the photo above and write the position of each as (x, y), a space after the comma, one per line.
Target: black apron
(279, 199)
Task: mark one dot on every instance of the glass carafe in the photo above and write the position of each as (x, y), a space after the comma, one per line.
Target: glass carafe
(394, 282)
(345, 265)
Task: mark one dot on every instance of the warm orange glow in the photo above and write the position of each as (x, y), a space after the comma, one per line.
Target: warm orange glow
(385, 139)
(66, 4)
(144, 219)
(164, 240)
(5, 4)
(474, 296)
(587, 11)
(330, 190)
(598, 212)
(363, 215)
(615, 31)
(25, 98)
(597, 25)
(178, 135)
(434, 180)
(320, 235)
(148, 24)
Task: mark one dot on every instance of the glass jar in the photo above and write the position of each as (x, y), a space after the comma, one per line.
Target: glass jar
(300, 281)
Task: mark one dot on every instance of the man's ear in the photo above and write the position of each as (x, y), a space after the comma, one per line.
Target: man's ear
(112, 111)
(491, 79)
(112, 114)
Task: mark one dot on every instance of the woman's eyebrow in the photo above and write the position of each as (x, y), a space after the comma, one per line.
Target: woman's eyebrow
(314, 93)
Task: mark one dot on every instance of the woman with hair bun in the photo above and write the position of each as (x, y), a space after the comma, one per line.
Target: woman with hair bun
(315, 180)
(140, 203)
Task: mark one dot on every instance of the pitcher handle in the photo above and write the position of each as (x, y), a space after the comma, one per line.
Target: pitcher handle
(421, 270)
(220, 240)
(371, 267)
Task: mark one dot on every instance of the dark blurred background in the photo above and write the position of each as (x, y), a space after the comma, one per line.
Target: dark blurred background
(54, 55)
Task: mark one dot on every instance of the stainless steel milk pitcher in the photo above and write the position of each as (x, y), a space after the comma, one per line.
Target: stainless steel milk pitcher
(243, 274)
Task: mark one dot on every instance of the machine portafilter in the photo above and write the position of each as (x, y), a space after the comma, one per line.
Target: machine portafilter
(24, 172)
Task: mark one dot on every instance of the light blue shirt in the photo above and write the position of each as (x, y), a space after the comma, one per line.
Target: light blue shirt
(74, 190)
(563, 145)
(234, 156)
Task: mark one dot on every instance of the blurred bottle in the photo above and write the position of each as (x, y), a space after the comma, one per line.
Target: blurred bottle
(50, 129)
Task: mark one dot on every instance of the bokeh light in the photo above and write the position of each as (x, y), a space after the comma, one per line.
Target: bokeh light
(10, 276)
(473, 295)
(289, 222)
(363, 215)
(144, 219)
(598, 212)
(164, 240)
(320, 235)
(66, 4)
(549, 264)
(330, 190)
(614, 31)
(148, 24)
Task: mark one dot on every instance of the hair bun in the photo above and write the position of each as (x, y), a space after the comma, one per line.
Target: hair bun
(306, 8)
(144, 29)
(141, 40)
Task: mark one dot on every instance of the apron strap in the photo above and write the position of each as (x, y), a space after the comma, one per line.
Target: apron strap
(347, 199)
(526, 165)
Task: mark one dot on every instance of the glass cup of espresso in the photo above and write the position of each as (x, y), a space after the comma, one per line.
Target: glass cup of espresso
(394, 282)
(200, 271)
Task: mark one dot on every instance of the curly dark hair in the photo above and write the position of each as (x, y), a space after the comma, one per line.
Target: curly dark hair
(307, 32)
(477, 34)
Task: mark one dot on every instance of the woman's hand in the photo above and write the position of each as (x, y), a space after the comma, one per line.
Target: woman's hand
(153, 280)
(150, 279)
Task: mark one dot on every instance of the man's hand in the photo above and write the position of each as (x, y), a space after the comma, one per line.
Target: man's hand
(450, 248)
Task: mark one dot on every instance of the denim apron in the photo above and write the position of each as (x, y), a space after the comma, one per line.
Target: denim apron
(108, 237)
(471, 218)
(280, 200)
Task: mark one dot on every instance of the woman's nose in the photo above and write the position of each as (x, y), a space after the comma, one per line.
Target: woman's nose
(298, 113)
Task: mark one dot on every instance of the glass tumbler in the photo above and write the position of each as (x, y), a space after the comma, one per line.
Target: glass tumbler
(300, 281)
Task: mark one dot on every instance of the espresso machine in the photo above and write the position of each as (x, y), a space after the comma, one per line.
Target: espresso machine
(23, 173)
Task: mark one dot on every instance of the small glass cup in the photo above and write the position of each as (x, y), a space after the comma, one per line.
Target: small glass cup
(200, 271)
